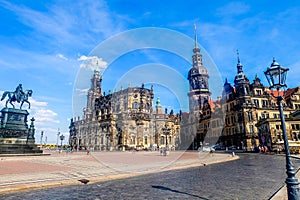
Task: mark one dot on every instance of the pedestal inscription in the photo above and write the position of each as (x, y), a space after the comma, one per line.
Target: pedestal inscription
(13, 140)
(13, 123)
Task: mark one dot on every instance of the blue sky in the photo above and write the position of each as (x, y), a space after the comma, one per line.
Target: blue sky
(44, 45)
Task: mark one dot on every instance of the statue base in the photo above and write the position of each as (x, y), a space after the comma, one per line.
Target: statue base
(13, 123)
(18, 146)
(15, 136)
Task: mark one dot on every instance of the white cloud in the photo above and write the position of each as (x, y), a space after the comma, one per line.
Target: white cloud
(68, 24)
(45, 120)
(42, 114)
(61, 56)
(92, 63)
(82, 92)
(37, 104)
(45, 116)
(233, 8)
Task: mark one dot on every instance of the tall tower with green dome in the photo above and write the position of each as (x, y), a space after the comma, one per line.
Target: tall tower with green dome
(158, 106)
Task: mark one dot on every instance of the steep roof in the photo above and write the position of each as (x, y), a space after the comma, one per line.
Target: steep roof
(276, 93)
(290, 92)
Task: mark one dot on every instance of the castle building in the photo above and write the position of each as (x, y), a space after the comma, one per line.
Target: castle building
(269, 128)
(252, 116)
(123, 120)
(245, 117)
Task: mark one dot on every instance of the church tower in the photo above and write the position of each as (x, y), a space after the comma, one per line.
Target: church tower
(198, 80)
(241, 82)
(93, 93)
(158, 106)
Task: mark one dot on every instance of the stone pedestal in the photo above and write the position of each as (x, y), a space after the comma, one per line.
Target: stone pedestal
(13, 123)
(15, 136)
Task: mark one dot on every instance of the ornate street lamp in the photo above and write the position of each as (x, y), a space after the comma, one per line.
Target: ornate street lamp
(276, 76)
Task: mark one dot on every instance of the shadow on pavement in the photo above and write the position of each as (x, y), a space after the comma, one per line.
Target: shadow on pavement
(171, 190)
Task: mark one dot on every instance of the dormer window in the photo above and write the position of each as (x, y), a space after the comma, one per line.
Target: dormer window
(258, 92)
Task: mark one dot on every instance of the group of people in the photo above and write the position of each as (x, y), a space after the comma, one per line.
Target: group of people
(263, 149)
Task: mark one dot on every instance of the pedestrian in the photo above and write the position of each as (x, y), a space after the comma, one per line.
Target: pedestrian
(87, 152)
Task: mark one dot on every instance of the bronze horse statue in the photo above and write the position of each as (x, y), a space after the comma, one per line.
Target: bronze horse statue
(12, 98)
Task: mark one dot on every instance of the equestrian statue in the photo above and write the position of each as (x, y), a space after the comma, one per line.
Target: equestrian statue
(18, 95)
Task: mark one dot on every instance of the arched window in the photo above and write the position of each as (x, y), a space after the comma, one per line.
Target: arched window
(132, 139)
(147, 106)
(135, 105)
(146, 139)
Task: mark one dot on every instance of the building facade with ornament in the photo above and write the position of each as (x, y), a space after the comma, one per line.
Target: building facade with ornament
(245, 117)
(123, 120)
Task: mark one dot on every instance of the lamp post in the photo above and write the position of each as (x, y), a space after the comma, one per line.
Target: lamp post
(41, 141)
(45, 142)
(166, 132)
(107, 138)
(62, 137)
(276, 76)
(58, 133)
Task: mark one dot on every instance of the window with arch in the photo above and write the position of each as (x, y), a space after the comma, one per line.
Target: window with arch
(250, 118)
(146, 139)
(135, 105)
(147, 106)
(132, 139)
(162, 140)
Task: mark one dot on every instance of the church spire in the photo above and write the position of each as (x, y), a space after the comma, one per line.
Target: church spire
(97, 67)
(195, 36)
(239, 64)
(196, 49)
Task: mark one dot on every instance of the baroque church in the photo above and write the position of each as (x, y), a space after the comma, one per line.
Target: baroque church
(123, 120)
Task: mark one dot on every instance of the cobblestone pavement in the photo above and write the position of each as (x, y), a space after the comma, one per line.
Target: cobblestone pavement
(30, 172)
(253, 176)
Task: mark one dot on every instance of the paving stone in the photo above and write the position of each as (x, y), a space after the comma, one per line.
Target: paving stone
(253, 176)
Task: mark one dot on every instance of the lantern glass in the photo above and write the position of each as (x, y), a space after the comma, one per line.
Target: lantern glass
(276, 75)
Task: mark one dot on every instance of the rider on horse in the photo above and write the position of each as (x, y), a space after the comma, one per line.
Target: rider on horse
(19, 93)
